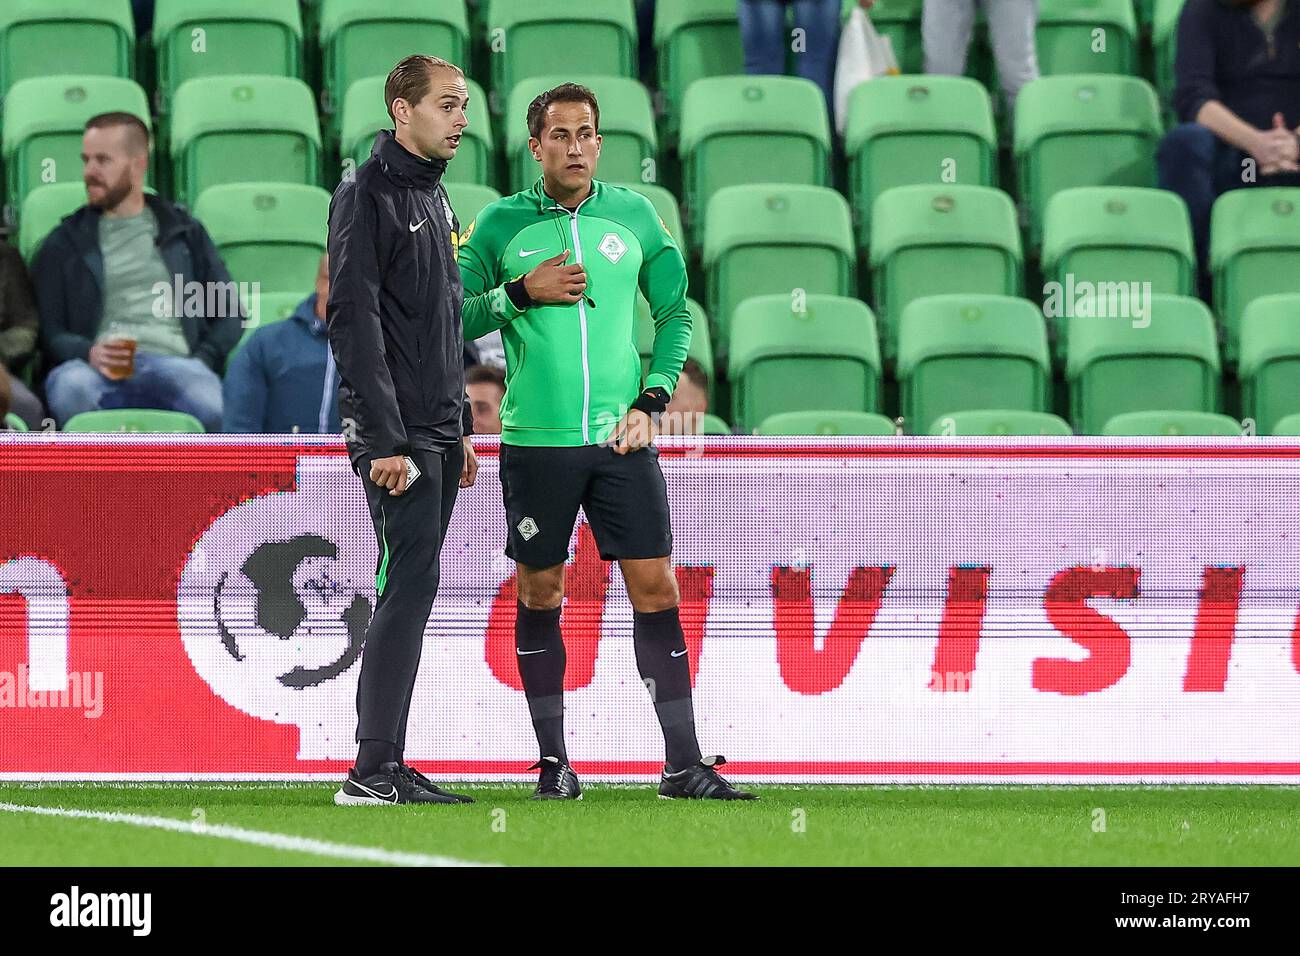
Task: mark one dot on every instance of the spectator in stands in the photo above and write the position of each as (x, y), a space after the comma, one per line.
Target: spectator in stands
(486, 386)
(690, 401)
(18, 330)
(4, 396)
(1237, 95)
(767, 41)
(946, 28)
(106, 281)
(283, 379)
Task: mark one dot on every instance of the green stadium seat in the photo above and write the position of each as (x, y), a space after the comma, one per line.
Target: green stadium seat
(751, 129)
(1108, 234)
(361, 38)
(1145, 10)
(468, 200)
(43, 209)
(1164, 38)
(1269, 370)
(1288, 426)
(229, 129)
(931, 240)
(542, 37)
(713, 425)
(155, 420)
(701, 348)
(272, 233)
(821, 357)
(904, 130)
(237, 36)
(989, 422)
(1166, 423)
(827, 423)
(44, 119)
(961, 352)
(1254, 251)
(1171, 364)
(670, 215)
(695, 39)
(1068, 42)
(629, 147)
(14, 424)
(42, 38)
(900, 20)
(271, 307)
(773, 237)
(1083, 131)
(365, 113)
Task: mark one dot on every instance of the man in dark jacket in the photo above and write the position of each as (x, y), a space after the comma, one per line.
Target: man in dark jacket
(18, 325)
(1237, 95)
(395, 330)
(112, 323)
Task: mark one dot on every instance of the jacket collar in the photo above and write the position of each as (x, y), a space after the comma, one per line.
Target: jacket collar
(306, 314)
(404, 168)
(546, 204)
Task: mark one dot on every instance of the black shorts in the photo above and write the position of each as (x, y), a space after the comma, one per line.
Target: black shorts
(624, 497)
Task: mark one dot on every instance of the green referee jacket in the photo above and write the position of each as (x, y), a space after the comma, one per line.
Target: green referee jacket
(573, 370)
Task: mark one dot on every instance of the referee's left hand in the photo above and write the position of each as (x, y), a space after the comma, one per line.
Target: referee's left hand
(469, 470)
(636, 430)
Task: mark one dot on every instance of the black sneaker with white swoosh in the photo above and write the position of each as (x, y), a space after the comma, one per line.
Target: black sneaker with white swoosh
(394, 783)
(700, 782)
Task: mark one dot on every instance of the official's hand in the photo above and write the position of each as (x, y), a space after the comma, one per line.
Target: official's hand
(552, 282)
(389, 473)
(635, 430)
(108, 358)
(469, 470)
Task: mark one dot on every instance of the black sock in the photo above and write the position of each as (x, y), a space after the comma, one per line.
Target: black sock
(539, 649)
(372, 753)
(661, 658)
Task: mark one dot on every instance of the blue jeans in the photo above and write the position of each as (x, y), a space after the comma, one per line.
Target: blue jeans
(160, 381)
(766, 40)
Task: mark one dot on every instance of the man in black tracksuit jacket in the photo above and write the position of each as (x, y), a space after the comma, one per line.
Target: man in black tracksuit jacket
(394, 325)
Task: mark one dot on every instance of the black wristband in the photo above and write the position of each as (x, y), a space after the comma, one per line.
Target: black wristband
(518, 294)
(653, 401)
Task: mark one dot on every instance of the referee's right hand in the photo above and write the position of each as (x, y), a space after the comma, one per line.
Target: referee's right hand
(389, 473)
(552, 282)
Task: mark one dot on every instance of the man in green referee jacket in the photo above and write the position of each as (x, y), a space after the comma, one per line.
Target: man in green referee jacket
(557, 268)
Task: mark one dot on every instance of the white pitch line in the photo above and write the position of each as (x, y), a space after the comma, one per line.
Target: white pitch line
(275, 841)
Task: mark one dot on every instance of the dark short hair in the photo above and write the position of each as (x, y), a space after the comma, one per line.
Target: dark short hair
(694, 371)
(137, 135)
(564, 93)
(485, 375)
(410, 79)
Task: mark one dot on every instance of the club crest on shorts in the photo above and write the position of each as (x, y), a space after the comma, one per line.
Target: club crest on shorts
(612, 247)
(528, 528)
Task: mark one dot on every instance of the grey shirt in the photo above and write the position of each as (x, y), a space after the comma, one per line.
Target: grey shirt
(133, 271)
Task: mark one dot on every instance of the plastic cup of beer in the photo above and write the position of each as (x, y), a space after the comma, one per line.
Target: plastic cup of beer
(121, 340)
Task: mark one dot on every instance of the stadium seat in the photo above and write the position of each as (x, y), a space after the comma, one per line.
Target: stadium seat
(13, 423)
(1165, 423)
(695, 39)
(827, 423)
(1288, 426)
(1171, 364)
(1254, 251)
(1269, 370)
(769, 238)
(43, 209)
(1068, 42)
(542, 37)
(1108, 234)
(701, 348)
(713, 425)
(272, 233)
(670, 215)
(750, 129)
(629, 147)
(1083, 131)
(900, 21)
(960, 352)
(216, 37)
(930, 240)
(365, 113)
(823, 357)
(1164, 38)
(42, 38)
(989, 422)
(468, 200)
(134, 420)
(361, 38)
(230, 129)
(44, 119)
(271, 307)
(904, 130)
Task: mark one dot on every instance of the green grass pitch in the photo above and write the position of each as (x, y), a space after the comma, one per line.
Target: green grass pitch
(628, 825)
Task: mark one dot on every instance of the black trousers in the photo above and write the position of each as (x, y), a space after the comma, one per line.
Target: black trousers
(410, 528)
